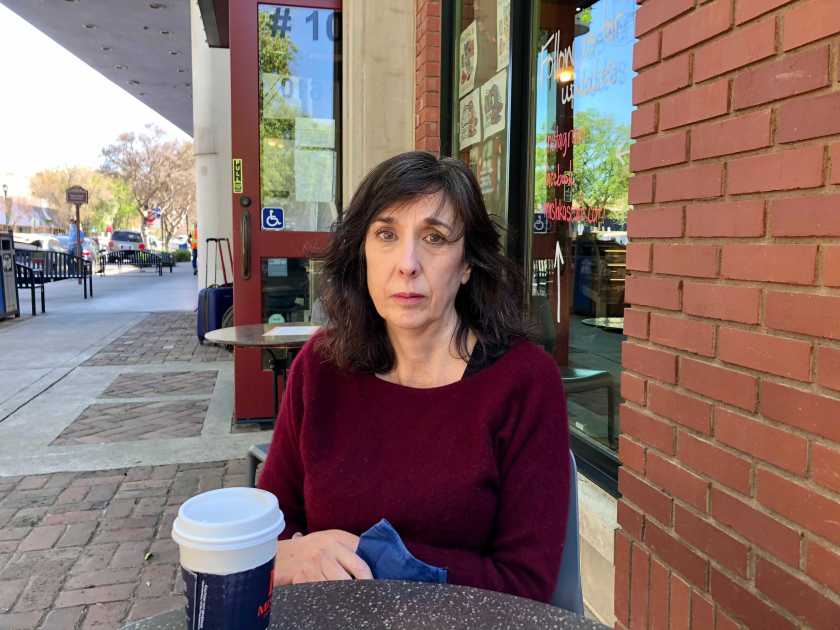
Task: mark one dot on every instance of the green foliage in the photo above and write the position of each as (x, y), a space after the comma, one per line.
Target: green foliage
(183, 255)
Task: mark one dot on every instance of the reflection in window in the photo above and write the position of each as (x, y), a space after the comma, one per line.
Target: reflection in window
(481, 87)
(582, 112)
(290, 290)
(300, 150)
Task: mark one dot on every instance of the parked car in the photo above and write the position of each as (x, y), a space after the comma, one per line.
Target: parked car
(126, 240)
(89, 246)
(35, 240)
(179, 242)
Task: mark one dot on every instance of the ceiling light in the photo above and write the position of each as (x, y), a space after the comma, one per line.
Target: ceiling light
(182, 70)
(157, 5)
(119, 66)
(104, 48)
(90, 26)
(174, 52)
(141, 94)
(165, 33)
(134, 82)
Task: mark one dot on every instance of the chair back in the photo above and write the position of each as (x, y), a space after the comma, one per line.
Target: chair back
(568, 592)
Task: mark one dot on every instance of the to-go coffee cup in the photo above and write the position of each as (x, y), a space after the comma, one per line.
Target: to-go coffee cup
(228, 541)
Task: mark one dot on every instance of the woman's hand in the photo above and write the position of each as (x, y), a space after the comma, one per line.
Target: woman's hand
(319, 556)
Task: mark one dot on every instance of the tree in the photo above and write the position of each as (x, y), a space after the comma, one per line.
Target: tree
(178, 199)
(52, 184)
(601, 164)
(152, 167)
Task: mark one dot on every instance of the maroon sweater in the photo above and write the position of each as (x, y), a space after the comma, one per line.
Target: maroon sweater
(473, 475)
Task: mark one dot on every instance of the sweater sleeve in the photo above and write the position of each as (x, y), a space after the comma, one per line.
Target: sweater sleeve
(532, 452)
(282, 474)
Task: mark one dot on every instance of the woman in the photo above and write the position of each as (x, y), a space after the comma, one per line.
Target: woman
(421, 402)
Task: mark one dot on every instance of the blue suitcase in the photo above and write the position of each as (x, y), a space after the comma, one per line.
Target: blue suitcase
(215, 300)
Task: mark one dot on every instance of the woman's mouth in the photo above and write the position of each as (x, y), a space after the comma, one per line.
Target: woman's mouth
(408, 298)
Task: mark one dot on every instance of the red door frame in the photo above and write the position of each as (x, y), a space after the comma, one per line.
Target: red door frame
(252, 384)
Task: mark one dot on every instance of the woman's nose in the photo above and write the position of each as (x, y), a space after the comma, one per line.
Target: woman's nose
(409, 265)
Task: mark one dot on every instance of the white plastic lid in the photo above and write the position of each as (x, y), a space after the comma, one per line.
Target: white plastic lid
(227, 519)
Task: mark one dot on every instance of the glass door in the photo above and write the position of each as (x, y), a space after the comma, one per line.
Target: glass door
(286, 123)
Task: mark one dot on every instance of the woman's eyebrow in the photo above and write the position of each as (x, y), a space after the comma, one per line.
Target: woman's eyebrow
(437, 222)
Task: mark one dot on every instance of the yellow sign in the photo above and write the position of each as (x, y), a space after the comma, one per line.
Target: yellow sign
(237, 176)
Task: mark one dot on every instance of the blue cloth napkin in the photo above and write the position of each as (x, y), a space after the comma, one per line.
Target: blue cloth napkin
(389, 559)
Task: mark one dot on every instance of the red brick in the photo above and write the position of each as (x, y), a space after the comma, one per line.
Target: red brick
(758, 527)
(798, 503)
(656, 12)
(622, 576)
(660, 292)
(662, 150)
(745, 605)
(659, 595)
(790, 264)
(782, 170)
(655, 223)
(647, 430)
(765, 353)
(639, 588)
(736, 219)
(677, 481)
(662, 79)
(732, 135)
(640, 189)
(828, 367)
(834, 178)
(652, 502)
(682, 559)
(804, 119)
(746, 10)
(821, 565)
(700, 261)
(698, 26)
(725, 622)
(743, 47)
(630, 519)
(685, 410)
(698, 103)
(680, 608)
(633, 388)
(803, 410)
(809, 21)
(711, 460)
(702, 612)
(825, 466)
(788, 76)
(646, 51)
(721, 301)
(776, 446)
(643, 120)
(636, 323)
(654, 363)
(735, 388)
(685, 334)
(817, 315)
(805, 216)
(639, 256)
(831, 265)
(695, 182)
(796, 596)
(632, 454)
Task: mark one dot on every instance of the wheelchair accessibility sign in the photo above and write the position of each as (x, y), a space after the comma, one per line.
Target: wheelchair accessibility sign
(272, 219)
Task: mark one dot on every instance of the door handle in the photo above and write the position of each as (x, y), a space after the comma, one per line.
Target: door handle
(246, 244)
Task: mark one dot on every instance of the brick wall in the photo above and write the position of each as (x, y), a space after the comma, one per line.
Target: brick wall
(427, 77)
(730, 514)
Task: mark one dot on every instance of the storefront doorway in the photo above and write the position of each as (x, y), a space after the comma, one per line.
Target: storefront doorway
(286, 134)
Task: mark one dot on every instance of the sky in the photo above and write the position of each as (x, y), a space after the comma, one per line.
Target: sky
(42, 125)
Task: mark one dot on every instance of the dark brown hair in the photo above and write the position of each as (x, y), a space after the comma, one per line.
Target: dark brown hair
(489, 304)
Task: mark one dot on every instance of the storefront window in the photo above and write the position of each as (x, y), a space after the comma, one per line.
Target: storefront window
(582, 112)
(482, 90)
(300, 135)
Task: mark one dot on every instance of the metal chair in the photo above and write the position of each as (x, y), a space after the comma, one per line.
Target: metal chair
(256, 456)
(576, 380)
(568, 592)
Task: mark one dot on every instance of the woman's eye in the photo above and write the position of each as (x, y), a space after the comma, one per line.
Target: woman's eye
(386, 235)
(435, 239)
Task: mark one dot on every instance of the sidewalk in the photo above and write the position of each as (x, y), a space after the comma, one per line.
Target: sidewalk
(109, 419)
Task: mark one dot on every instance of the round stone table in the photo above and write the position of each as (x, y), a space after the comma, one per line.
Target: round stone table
(395, 605)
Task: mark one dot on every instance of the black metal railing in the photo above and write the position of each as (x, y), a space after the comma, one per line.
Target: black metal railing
(28, 278)
(142, 259)
(54, 266)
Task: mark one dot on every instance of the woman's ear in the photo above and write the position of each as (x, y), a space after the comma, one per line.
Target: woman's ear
(465, 277)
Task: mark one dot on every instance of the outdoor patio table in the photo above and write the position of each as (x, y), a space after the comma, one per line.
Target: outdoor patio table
(395, 605)
(289, 341)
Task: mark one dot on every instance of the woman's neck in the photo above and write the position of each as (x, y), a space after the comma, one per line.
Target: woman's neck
(429, 357)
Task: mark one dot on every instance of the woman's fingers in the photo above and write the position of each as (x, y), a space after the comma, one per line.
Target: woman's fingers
(332, 570)
(353, 564)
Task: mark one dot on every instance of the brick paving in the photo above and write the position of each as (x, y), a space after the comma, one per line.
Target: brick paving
(125, 422)
(133, 385)
(93, 550)
(159, 338)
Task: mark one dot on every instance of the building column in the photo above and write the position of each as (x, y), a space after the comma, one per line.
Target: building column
(211, 141)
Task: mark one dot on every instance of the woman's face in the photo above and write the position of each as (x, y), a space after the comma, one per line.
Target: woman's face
(415, 263)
